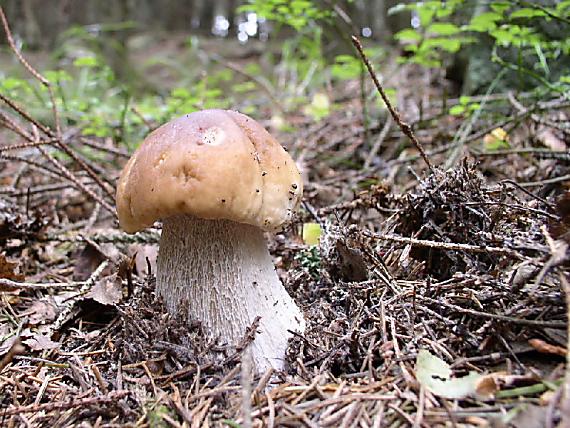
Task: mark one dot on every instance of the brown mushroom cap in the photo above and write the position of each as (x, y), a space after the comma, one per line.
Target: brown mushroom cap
(211, 164)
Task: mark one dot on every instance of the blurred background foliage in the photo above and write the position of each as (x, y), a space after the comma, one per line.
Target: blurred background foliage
(121, 68)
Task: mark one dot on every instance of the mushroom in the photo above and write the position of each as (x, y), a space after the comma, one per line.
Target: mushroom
(217, 180)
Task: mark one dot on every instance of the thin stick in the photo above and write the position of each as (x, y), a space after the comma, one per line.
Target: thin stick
(111, 398)
(406, 129)
(499, 317)
(442, 245)
(44, 129)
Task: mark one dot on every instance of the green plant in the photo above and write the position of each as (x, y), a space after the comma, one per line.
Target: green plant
(466, 106)
(310, 260)
(513, 26)
(304, 73)
(296, 13)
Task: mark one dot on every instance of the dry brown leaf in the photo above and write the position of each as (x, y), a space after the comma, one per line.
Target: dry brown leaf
(39, 342)
(7, 344)
(87, 260)
(488, 385)
(548, 138)
(541, 346)
(107, 291)
(8, 269)
(41, 311)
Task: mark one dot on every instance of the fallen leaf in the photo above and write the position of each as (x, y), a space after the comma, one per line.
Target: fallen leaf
(39, 342)
(311, 233)
(41, 311)
(8, 269)
(7, 344)
(107, 291)
(488, 385)
(86, 261)
(549, 139)
(497, 139)
(546, 348)
(435, 375)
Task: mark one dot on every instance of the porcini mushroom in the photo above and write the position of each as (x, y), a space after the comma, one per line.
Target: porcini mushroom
(217, 179)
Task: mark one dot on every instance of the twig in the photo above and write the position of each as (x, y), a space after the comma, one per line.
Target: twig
(112, 397)
(75, 181)
(37, 286)
(546, 181)
(442, 245)
(406, 129)
(532, 323)
(14, 350)
(147, 123)
(44, 129)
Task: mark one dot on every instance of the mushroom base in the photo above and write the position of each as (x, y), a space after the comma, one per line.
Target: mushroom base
(220, 272)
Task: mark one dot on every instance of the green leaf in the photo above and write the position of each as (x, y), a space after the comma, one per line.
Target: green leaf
(503, 36)
(500, 7)
(457, 110)
(435, 375)
(527, 13)
(449, 45)
(484, 22)
(86, 61)
(426, 16)
(562, 6)
(444, 11)
(443, 28)
(345, 67)
(244, 87)
(180, 93)
(408, 34)
(10, 83)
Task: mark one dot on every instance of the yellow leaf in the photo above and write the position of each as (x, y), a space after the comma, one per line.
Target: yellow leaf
(311, 233)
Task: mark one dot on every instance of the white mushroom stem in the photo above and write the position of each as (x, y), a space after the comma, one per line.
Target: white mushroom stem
(222, 274)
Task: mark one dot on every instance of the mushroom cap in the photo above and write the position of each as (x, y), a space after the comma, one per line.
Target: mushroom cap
(211, 164)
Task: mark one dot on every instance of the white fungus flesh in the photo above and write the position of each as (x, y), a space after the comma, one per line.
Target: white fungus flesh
(221, 273)
(217, 179)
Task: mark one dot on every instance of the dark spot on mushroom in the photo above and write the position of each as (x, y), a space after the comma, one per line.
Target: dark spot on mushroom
(291, 192)
(290, 199)
(294, 186)
(276, 302)
(263, 174)
(257, 190)
(223, 201)
(254, 283)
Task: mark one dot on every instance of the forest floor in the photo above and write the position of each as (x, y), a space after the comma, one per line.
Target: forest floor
(434, 298)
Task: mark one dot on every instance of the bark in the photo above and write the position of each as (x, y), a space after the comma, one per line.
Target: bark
(220, 273)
